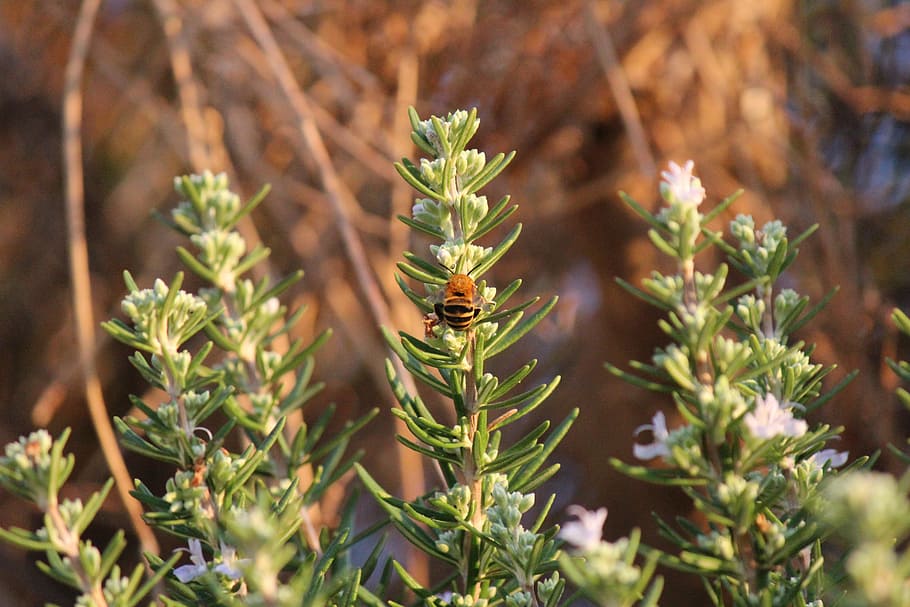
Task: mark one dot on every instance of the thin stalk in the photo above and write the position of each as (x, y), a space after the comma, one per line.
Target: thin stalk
(175, 390)
(342, 203)
(703, 371)
(187, 90)
(70, 549)
(766, 293)
(79, 270)
(472, 479)
(619, 86)
(705, 375)
(255, 385)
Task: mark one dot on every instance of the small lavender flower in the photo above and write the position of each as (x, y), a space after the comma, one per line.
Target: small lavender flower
(198, 565)
(228, 567)
(658, 448)
(679, 186)
(830, 457)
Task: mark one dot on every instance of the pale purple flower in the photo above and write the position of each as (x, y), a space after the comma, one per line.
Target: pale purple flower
(228, 567)
(585, 533)
(199, 566)
(680, 186)
(832, 457)
(769, 419)
(658, 448)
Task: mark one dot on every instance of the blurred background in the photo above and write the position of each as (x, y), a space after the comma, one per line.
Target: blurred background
(805, 105)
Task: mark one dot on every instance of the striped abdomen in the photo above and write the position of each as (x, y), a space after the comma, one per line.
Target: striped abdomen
(460, 304)
(457, 312)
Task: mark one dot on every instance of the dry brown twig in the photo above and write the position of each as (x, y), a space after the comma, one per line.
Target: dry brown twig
(405, 96)
(341, 201)
(369, 153)
(322, 53)
(619, 85)
(181, 65)
(135, 87)
(202, 158)
(79, 268)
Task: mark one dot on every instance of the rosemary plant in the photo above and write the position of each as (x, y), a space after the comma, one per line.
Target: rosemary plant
(605, 571)
(246, 487)
(868, 514)
(247, 515)
(741, 449)
(251, 508)
(35, 468)
(473, 523)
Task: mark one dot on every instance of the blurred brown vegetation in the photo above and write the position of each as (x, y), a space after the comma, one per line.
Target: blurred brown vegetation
(804, 105)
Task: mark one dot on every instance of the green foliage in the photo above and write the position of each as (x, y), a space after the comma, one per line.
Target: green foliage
(473, 523)
(607, 576)
(35, 468)
(771, 503)
(868, 515)
(246, 515)
(216, 493)
(741, 385)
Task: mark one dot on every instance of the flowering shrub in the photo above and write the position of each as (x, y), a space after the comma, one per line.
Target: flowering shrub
(774, 497)
(474, 522)
(246, 516)
(868, 515)
(738, 446)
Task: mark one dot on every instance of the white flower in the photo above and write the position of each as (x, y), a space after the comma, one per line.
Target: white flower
(585, 533)
(770, 419)
(833, 457)
(186, 573)
(658, 448)
(680, 186)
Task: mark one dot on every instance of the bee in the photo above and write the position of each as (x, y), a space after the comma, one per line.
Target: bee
(460, 305)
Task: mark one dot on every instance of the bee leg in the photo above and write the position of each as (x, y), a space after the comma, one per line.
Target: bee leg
(429, 321)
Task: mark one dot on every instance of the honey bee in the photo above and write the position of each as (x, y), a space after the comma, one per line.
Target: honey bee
(460, 305)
